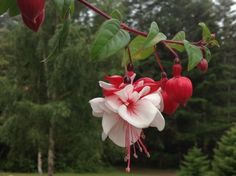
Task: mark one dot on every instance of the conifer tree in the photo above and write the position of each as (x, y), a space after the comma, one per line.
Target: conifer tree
(194, 164)
(224, 162)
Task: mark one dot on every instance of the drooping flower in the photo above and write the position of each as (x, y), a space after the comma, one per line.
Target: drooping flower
(32, 12)
(169, 105)
(179, 88)
(203, 65)
(128, 108)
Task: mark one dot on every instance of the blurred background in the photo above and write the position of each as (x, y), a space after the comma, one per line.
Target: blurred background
(48, 101)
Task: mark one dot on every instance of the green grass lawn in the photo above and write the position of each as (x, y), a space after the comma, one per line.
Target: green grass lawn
(118, 173)
(100, 174)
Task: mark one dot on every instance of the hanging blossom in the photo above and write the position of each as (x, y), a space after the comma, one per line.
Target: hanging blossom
(127, 109)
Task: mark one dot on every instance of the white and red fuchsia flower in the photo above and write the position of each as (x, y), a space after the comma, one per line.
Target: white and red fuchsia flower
(126, 109)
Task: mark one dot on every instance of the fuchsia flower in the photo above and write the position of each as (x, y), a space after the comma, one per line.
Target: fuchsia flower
(128, 108)
(203, 65)
(32, 12)
(179, 88)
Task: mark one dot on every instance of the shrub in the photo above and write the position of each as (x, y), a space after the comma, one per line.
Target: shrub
(224, 162)
(194, 164)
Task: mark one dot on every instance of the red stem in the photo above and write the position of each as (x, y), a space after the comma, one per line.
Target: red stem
(105, 15)
(130, 59)
(171, 50)
(135, 31)
(158, 59)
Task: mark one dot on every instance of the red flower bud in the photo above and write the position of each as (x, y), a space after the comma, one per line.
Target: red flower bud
(130, 67)
(203, 65)
(32, 12)
(169, 106)
(179, 88)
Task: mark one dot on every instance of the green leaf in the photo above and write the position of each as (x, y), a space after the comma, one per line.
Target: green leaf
(206, 34)
(214, 43)
(10, 5)
(154, 36)
(153, 31)
(116, 15)
(151, 43)
(180, 36)
(194, 54)
(207, 54)
(138, 52)
(125, 58)
(142, 47)
(110, 39)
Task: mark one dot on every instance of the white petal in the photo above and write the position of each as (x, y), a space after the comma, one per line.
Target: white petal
(95, 114)
(108, 121)
(161, 104)
(159, 121)
(104, 136)
(118, 133)
(113, 103)
(154, 98)
(124, 93)
(96, 105)
(132, 78)
(105, 108)
(134, 96)
(141, 115)
(105, 85)
(144, 91)
(140, 83)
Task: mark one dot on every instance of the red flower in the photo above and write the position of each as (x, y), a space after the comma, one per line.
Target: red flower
(203, 65)
(32, 12)
(126, 109)
(179, 88)
(169, 106)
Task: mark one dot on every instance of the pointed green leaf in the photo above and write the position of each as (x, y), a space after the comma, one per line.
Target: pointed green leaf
(153, 31)
(180, 36)
(154, 36)
(214, 43)
(206, 34)
(125, 58)
(151, 43)
(194, 54)
(137, 50)
(110, 39)
(207, 54)
(117, 15)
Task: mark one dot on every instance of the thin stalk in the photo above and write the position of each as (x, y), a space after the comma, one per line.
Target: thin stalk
(135, 31)
(171, 50)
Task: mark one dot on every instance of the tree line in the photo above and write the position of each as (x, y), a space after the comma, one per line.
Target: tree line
(45, 118)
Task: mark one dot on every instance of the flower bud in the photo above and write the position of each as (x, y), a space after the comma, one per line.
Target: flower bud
(203, 65)
(170, 106)
(32, 12)
(179, 88)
